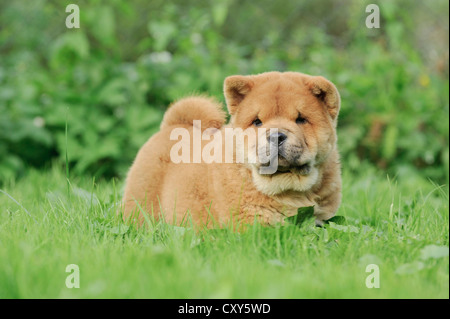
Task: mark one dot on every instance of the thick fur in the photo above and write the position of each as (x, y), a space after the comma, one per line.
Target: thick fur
(185, 111)
(213, 194)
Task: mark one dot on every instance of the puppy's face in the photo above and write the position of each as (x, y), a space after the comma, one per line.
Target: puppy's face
(294, 116)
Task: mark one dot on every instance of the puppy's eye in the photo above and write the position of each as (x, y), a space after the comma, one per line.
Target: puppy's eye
(257, 122)
(300, 120)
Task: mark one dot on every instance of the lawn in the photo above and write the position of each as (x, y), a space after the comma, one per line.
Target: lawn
(399, 224)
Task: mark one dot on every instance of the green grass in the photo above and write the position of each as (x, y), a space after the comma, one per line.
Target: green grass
(392, 223)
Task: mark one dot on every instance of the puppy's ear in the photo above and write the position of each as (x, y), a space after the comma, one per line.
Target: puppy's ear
(326, 92)
(235, 88)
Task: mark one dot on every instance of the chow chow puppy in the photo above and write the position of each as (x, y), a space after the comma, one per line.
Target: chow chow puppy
(301, 109)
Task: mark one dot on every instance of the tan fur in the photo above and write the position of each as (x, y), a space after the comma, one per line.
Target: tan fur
(193, 108)
(218, 193)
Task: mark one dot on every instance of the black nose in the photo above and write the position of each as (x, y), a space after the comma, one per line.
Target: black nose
(277, 138)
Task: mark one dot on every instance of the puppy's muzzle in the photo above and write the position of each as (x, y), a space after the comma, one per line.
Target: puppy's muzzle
(277, 139)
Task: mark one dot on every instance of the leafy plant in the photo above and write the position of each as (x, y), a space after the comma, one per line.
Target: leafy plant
(114, 77)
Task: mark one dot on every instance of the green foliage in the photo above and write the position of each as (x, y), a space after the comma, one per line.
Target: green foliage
(113, 78)
(303, 215)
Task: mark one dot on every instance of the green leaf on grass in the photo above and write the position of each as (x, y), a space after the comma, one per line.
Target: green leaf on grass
(340, 220)
(303, 214)
(433, 251)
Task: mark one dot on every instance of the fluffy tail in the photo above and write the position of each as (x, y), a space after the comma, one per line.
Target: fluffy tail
(186, 110)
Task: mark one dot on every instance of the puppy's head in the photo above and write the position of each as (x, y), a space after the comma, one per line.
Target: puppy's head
(293, 113)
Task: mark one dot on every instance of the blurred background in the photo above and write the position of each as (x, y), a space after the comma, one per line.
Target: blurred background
(111, 80)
